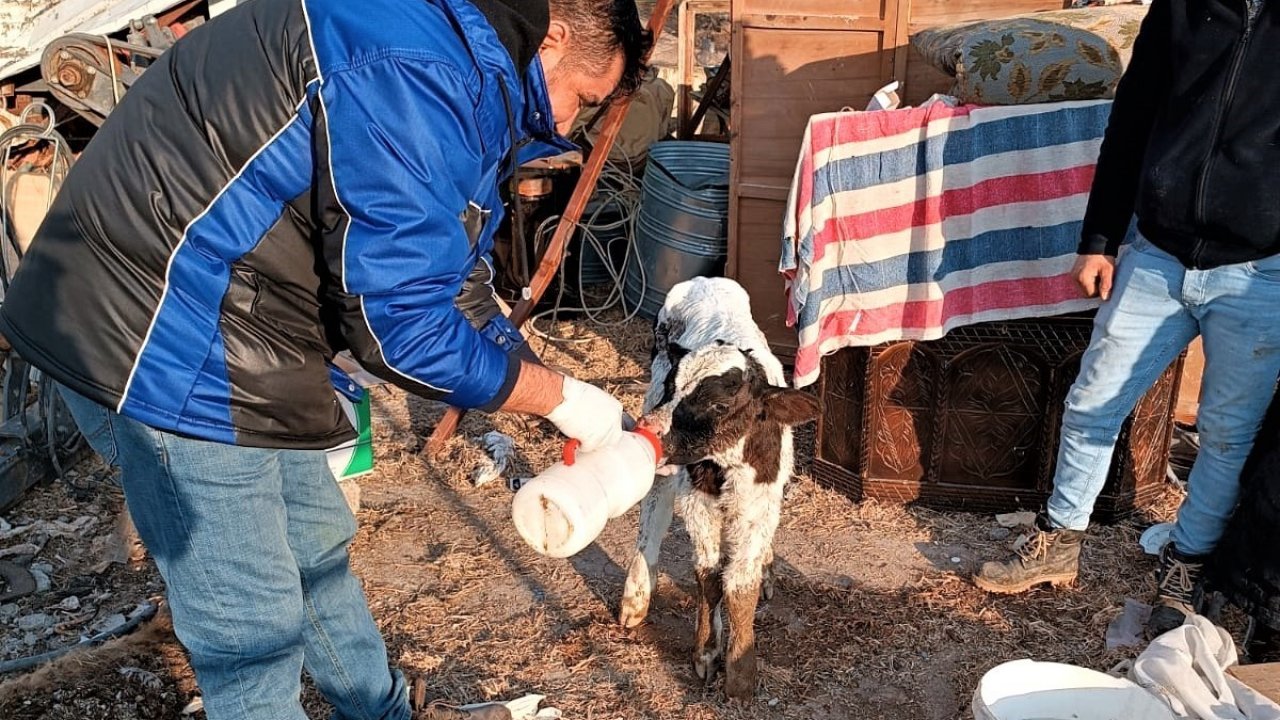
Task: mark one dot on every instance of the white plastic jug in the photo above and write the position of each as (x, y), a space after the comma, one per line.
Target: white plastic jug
(564, 509)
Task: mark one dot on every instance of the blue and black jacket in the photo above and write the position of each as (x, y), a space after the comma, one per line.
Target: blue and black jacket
(293, 178)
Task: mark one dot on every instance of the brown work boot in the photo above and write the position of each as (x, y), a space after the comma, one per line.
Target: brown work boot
(436, 710)
(1047, 555)
(1179, 583)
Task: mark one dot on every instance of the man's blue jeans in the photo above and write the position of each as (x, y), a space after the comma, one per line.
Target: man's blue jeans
(1157, 307)
(252, 544)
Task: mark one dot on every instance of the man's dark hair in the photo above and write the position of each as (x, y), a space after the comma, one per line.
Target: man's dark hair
(604, 27)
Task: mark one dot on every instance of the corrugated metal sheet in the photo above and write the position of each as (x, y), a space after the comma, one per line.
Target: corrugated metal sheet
(26, 26)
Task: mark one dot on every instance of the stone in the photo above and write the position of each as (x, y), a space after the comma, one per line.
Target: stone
(110, 622)
(43, 583)
(8, 611)
(71, 603)
(34, 622)
(999, 533)
(22, 549)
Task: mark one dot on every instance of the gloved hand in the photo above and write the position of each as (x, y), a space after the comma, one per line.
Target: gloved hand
(589, 415)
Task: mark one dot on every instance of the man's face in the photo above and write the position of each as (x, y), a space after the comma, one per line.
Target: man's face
(574, 81)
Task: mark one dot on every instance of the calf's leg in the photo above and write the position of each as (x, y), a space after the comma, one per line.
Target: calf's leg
(702, 518)
(753, 513)
(642, 576)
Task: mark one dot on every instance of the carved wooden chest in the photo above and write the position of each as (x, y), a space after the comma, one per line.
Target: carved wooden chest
(970, 421)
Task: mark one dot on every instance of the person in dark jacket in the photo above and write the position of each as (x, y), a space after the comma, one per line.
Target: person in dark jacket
(294, 179)
(1192, 146)
(1246, 564)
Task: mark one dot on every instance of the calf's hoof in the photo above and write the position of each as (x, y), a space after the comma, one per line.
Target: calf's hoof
(634, 610)
(767, 582)
(705, 663)
(636, 593)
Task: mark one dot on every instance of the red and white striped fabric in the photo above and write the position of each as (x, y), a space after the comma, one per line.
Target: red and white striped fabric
(904, 224)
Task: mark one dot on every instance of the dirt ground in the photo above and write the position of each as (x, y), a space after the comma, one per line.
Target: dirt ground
(874, 616)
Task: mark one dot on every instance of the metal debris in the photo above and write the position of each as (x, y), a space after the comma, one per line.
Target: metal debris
(523, 708)
(502, 451)
(146, 678)
(55, 528)
(1017, 519)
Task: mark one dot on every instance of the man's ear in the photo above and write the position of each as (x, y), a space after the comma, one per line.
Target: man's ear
(790, 407)
(556, 40)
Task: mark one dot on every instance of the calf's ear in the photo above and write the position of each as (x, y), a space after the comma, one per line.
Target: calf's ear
(790, 407)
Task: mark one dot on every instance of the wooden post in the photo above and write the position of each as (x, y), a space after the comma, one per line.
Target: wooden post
(554, 254)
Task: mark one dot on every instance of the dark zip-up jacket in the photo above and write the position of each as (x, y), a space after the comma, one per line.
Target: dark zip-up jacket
(1193, 144)
(294, 178)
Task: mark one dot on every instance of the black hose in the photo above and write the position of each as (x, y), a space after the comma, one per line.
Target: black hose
(147, 612)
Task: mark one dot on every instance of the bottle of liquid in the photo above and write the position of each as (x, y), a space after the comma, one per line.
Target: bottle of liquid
(563, 509)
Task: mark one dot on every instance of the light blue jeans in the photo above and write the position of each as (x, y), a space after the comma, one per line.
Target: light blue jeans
(252, 545)
(1157, 307)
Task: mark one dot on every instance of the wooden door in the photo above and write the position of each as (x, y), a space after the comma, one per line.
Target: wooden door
(793, 59)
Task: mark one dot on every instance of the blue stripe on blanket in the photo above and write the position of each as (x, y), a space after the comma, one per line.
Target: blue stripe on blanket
(1024, 132)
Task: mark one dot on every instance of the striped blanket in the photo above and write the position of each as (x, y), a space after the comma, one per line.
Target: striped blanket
(904, 224)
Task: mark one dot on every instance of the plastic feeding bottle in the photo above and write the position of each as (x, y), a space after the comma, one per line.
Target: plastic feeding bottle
(564, 509)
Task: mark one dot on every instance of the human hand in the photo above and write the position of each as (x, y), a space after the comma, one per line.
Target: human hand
(589, 415)
(1094, 274)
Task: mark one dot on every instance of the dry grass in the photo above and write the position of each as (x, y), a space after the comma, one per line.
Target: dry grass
(872, 618)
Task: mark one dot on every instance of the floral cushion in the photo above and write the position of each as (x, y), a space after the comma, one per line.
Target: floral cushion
(1046, 57)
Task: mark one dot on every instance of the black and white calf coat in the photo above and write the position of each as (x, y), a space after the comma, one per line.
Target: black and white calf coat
(718, 397)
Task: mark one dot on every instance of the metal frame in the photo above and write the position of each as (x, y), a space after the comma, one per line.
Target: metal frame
(688, 32)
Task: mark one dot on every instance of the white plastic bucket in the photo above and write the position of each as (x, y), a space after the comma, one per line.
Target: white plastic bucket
(1030, 690)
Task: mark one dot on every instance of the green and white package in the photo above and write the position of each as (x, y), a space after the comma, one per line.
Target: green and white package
(354, 457)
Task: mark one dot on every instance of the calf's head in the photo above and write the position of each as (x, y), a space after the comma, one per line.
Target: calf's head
(715, 398)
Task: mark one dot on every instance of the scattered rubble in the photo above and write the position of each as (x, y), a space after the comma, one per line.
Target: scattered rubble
(34, 622)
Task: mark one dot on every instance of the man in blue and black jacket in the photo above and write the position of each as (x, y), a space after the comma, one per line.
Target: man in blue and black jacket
(1193, 148)
(293, 179)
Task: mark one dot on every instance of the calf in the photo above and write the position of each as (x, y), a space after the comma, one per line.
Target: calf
(718, 398)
